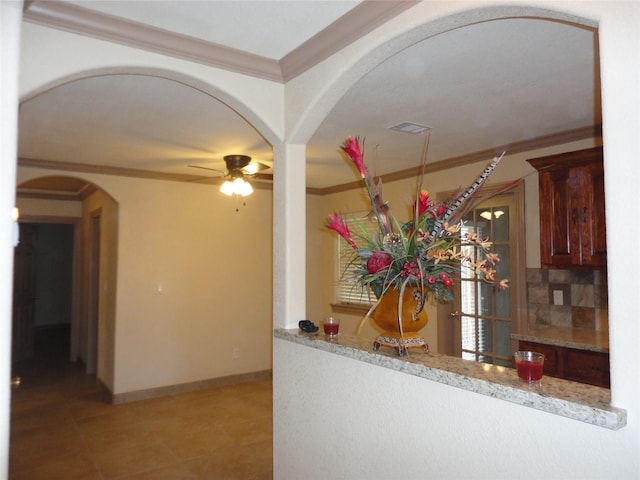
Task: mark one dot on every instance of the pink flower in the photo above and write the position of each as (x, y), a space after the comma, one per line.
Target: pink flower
(351, 147)
(337, 223)
(489, 274)
(441, 209)
(378, 261)
(492, 258)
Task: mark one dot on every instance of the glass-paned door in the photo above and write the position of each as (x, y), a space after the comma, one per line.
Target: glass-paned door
(484, 316)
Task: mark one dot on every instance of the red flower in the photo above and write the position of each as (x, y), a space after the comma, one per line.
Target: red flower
(410, 268)
(440, 210)
(337, 223)
(378, 261)
(351, 147)
(423, 202)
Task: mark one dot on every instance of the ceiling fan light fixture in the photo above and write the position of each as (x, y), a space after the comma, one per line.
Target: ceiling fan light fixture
(236, 162)
(239, 186)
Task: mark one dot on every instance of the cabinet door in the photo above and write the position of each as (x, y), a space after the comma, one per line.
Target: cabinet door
(594, 244)
(572, 211)
(559, 222)
(586, 367)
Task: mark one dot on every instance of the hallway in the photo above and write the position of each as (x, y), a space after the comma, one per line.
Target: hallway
(62, 428)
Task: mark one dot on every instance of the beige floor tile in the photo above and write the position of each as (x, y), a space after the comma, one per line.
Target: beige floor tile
(80, 467)
(157, 407)
(131, 457)
(26, 399)
(22, 423)
(90, 404)
(44, 446)
(115, 419)
(172, 472)
(239, 462)
(112, 439)
(63, 428)
(251, 431)
(196, 443)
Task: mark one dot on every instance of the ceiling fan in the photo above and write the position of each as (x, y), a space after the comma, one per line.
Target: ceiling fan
(238, 168)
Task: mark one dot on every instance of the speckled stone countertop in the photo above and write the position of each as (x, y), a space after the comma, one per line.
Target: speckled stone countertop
(596, 341)
(578, 401)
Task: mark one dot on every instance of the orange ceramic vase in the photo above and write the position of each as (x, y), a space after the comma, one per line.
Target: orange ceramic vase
(412, 315)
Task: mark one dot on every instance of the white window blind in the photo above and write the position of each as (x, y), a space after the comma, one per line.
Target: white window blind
(349, 291)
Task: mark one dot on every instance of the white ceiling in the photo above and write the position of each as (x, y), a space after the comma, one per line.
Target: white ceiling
(480, 88)
(237, 24)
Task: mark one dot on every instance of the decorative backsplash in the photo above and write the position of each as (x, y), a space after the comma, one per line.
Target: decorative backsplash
(568, 298)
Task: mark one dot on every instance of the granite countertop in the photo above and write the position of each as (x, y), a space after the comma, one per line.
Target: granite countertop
(578, 401)
(595, 341)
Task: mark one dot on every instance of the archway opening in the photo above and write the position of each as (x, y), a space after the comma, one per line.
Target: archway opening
(61, 311)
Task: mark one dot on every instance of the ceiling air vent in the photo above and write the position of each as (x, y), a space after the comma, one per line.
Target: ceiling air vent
(408, 127)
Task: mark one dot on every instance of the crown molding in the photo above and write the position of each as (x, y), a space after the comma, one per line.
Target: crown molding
(462, 160)
(58, 196)
(107, 170)
(84, 21)
(355, 24)
(49, 219)
(262, 183)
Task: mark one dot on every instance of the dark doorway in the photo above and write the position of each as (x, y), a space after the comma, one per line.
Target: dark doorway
(43, 282)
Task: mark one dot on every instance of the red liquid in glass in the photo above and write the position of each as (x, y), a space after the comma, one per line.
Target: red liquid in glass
(331, 328)
(529, 371)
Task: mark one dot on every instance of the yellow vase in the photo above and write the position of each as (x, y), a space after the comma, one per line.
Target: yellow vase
(412, 317)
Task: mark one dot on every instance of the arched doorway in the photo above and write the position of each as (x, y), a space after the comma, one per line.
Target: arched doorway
(59, 303)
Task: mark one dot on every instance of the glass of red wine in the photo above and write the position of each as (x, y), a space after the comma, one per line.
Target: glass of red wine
(529, 366)
(331, 326)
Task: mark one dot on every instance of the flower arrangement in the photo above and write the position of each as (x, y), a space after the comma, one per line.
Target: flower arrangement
(428, 251)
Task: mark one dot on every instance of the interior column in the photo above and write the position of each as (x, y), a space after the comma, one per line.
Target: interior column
(289, 235)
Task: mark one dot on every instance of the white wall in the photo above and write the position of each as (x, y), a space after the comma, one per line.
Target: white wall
(96, 330)
(213, 267)
(456, 434)
(57, 208)
(347, 419)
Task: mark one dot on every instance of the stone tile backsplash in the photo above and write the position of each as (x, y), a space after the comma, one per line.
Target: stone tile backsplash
(568, 298)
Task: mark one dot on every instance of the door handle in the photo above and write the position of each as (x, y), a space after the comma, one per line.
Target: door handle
(454, 314)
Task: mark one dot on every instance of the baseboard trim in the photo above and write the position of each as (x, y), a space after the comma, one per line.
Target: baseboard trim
(136, 396)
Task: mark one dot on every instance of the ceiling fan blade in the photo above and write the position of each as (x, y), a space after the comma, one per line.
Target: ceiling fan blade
(263, 176)
(208, 168)
(255, 167)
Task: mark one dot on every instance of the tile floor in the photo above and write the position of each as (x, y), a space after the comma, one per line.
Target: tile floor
(62, 428)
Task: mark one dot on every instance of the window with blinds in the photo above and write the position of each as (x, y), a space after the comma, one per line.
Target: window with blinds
(349, 291)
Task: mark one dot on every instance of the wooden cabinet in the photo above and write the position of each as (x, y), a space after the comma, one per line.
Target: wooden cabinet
(582, 366)
(572, 212)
